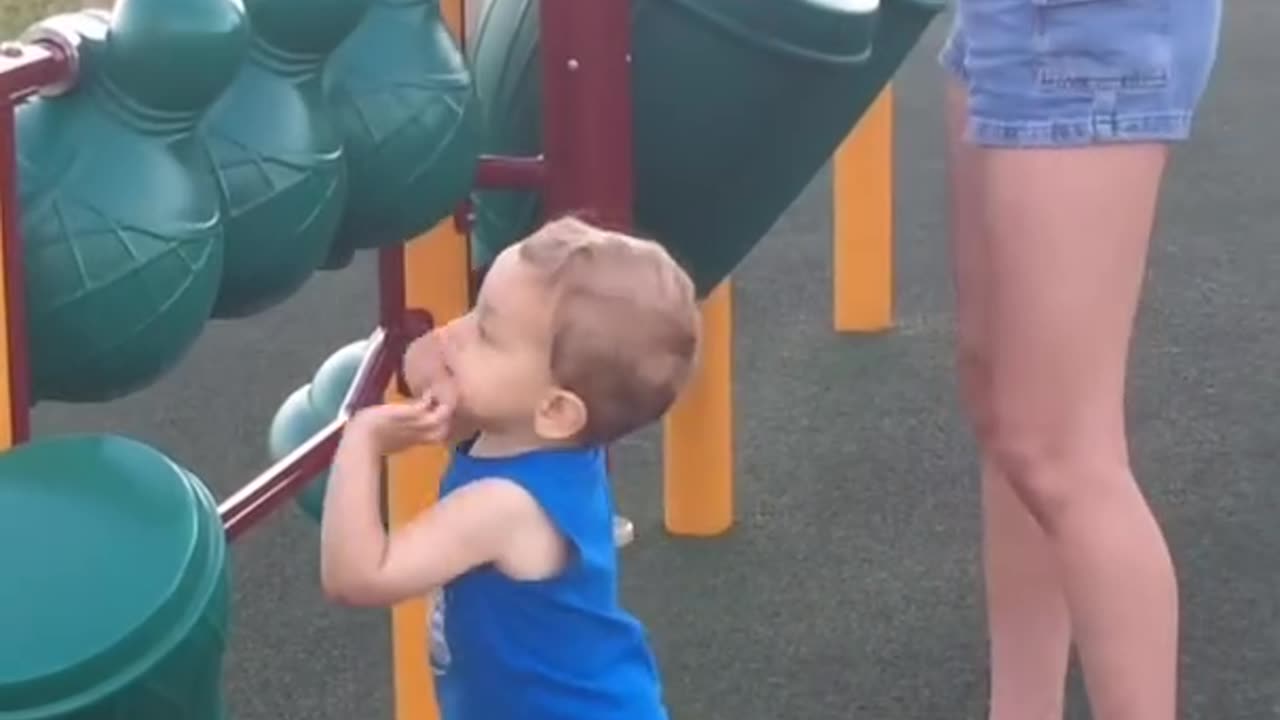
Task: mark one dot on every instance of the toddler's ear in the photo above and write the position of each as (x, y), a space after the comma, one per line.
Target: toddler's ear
(562, 416)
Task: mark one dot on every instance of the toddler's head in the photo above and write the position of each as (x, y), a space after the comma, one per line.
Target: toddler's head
(578, 336)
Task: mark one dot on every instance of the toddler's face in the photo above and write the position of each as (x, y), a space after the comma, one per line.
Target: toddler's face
(499, 353)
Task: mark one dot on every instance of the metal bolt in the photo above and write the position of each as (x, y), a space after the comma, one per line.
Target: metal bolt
(628, 58)
(10, 49)
(573, 65)
(624, 532)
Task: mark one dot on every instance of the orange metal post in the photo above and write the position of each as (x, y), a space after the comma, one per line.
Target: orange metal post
(698, 432)
(437, 269)
(15, 402)
(8, 436)
(863, 209)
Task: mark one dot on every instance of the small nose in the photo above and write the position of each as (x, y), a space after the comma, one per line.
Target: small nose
(454, 333)
(451, 338)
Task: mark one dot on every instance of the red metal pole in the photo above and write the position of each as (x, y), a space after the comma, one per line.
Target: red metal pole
(586, 109)
(274, 486)
(278, 484)
(391, 289)
(27, 67)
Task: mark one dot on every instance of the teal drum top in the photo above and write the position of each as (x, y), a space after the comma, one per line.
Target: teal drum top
(838, 32)
(109, 552)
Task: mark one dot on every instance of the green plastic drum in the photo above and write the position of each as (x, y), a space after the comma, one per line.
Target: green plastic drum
(308, 409)
(293, 424)
(279, 153)
(401, 93)
(121, 218)
(738, 104)
(115, 595)
(333, 379)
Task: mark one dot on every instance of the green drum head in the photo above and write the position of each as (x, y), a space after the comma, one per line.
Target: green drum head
(110, 553)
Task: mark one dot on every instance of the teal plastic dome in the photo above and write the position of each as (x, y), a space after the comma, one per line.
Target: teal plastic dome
(401, 94)
(121, 219)
(115, 595)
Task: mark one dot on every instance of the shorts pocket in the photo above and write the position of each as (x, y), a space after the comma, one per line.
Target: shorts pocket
(1086, 46)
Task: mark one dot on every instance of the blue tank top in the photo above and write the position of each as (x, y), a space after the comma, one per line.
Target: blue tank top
(556, 649)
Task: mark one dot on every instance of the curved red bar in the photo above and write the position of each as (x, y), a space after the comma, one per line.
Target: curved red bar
(274, 486)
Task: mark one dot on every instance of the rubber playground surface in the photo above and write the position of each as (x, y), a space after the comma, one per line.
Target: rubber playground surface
(849, 587)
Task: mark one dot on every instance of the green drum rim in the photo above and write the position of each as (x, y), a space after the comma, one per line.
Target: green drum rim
(175, 525)
(832, 32)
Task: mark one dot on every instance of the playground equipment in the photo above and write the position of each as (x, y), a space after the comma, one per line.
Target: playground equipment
(147, 211)
(148, 545)
(307, 410)
(411, 137)
(741, 104)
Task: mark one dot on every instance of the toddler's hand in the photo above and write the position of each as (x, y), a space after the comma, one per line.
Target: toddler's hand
(428, 377)
(396, 426)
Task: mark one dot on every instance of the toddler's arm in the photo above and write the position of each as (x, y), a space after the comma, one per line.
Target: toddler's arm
(361, 565)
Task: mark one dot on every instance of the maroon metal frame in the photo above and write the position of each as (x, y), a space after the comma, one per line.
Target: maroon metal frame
(27, 67)
(585, 169)
(586, 109)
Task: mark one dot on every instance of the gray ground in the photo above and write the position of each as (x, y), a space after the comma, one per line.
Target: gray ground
(848, 588)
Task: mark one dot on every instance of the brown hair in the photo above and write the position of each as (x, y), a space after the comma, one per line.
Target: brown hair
(625, 324)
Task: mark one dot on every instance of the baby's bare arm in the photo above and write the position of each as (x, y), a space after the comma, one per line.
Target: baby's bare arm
(472, 526)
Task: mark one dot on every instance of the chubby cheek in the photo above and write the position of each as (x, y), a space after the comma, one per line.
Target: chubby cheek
(492, 391)
(465, 384)
(478, 386)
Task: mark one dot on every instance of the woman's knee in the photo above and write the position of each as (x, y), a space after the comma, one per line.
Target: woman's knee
(1051, 470)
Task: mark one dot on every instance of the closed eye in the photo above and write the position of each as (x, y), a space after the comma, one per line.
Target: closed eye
(484, 317)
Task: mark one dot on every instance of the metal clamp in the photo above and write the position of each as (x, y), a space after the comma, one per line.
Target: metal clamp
(64, 35)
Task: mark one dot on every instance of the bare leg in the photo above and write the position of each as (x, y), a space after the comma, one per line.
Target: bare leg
(1030, 630)
(1067, 232)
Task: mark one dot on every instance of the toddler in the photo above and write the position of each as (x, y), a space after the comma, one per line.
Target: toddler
(578, 337)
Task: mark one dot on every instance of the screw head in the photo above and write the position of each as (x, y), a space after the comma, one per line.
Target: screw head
(624, 531)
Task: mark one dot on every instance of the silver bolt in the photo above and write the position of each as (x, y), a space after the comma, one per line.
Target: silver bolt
(573, 64)
(628, 58)
(624, 532)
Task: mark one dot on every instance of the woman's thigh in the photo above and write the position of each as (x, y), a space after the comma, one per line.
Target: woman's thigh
(1070, 104)
(1066, 255)
(968, 256)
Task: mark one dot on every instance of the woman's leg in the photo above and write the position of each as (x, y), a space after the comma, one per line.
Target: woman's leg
(1067, 240)
(1028, 624)
(1070, 106)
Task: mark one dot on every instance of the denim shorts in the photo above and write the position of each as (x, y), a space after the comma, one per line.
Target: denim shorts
(1062, 73)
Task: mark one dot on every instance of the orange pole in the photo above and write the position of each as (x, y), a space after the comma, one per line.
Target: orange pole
(698, 432)
(437, 269)
(8, 433)
(8, 436)
(15, 371)
(862, 191)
